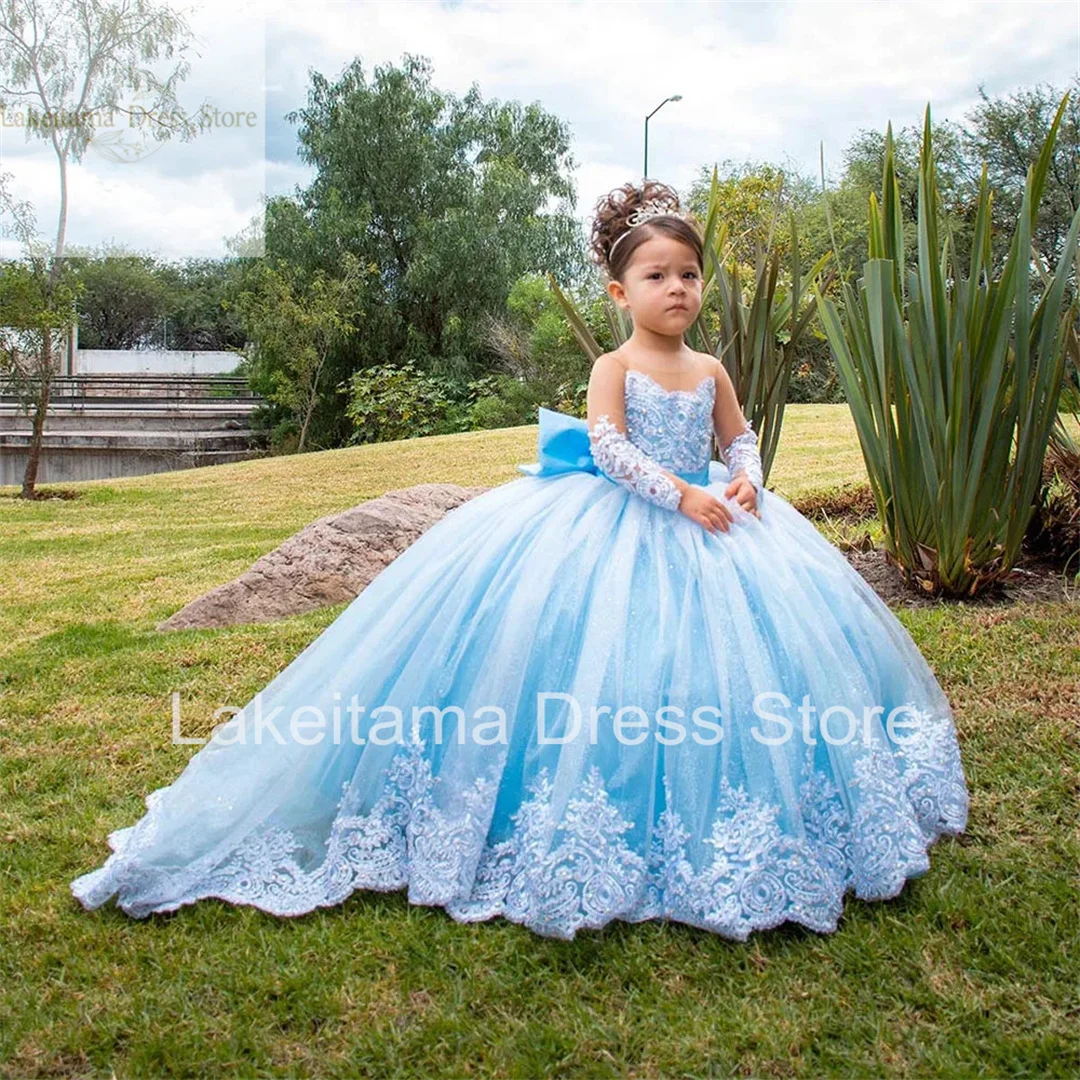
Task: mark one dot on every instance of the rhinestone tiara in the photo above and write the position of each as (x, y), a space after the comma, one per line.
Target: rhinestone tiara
(652, 208)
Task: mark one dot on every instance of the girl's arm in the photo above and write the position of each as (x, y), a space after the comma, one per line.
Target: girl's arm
(615, 455)
(734, 432)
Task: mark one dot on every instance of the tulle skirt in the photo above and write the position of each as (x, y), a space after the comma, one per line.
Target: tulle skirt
(564, 705)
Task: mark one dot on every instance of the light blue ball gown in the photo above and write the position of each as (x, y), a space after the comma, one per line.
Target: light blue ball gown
(567, 583)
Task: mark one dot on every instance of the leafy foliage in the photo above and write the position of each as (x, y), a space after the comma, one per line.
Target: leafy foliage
(390, 401)
(292, 328)
(445, 198)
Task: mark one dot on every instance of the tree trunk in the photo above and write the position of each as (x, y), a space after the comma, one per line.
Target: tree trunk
(312, 401)
(40, 409)
(46, 374)
(304, 426)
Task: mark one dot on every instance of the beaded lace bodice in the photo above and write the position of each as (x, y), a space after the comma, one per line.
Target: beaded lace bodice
(667, 431)
(674, 427)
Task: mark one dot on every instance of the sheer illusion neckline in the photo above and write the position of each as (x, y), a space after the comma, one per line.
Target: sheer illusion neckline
(663, 389)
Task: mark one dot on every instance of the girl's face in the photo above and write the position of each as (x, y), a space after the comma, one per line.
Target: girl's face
(661, 286)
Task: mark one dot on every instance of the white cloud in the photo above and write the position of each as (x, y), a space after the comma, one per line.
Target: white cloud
(762, 81)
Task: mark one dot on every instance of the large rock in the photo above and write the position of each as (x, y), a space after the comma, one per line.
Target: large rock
(327, 562)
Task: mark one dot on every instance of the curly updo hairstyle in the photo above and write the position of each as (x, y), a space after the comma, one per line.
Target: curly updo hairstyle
(610, 222)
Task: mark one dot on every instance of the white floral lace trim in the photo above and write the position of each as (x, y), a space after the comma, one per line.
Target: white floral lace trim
(627, 464)
(557, 877)
(741, 455)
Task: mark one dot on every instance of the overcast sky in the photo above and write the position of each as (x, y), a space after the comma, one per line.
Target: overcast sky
(759, 81)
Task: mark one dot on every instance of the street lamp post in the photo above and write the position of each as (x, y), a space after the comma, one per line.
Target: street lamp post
(674, 97)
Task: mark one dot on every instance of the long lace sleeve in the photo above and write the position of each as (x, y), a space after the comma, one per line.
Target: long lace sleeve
(741, 455)
(627, 464)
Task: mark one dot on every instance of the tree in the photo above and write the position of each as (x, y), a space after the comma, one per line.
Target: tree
(198, 316)
(38, 308)
(957, 178)
(754, 200)
(122, 299)
(1007, 133)
(70, 60)
(134, 301)
(292, 328)
(449, 199)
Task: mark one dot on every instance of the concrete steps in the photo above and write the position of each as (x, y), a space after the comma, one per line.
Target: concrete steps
(102, 426)
(146, 440)
(148, 415)
(164, 387)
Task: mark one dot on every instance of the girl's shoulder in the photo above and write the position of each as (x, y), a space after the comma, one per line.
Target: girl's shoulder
(608, 362)
(611, 358)
(711, 365)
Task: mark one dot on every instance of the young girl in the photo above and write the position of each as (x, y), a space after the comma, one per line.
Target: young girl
(631, 684)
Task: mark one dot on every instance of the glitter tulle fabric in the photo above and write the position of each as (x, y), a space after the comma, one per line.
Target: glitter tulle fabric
(530, 609)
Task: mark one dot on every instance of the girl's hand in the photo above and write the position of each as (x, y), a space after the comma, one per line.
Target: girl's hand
(745, 495)
(706, 509)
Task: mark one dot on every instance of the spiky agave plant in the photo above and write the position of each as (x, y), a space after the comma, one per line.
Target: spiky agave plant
(1055, 527)
(759, 333)
(953, 381)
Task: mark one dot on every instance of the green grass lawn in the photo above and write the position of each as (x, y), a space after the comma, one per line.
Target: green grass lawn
(973, 970)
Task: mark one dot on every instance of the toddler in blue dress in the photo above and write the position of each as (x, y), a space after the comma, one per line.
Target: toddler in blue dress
(630, 684)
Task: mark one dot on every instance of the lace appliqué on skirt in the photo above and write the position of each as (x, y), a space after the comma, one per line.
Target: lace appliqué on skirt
(559, 876)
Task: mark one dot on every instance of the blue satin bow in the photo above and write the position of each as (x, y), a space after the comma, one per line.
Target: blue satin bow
(563, 446)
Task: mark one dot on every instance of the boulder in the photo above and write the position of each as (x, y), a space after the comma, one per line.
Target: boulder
(327, 562)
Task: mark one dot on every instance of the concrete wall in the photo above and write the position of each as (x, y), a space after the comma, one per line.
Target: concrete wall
(154, 362)
(72, 463)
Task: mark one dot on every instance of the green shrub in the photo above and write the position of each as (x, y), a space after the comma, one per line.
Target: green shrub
(388, 402)
(507, 402)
